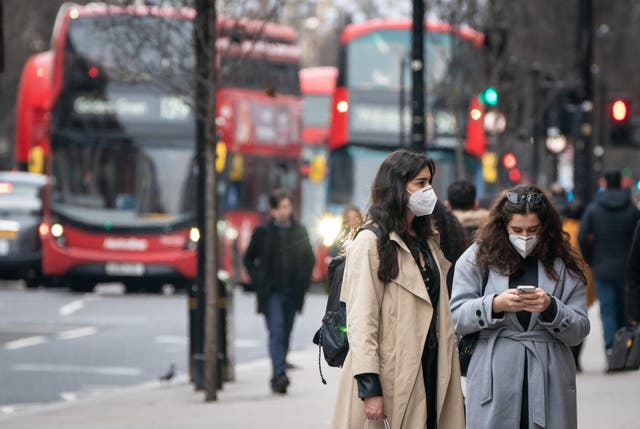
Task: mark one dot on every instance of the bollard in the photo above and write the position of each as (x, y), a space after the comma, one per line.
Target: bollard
(197, 365)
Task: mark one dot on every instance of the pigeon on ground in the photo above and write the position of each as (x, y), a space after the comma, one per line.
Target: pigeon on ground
(169, 374)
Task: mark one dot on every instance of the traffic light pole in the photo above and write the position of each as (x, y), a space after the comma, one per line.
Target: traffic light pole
(583, 176)
(418, 129)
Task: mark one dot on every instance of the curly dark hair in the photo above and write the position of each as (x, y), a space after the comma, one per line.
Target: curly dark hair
(495, 249)
(389, 199)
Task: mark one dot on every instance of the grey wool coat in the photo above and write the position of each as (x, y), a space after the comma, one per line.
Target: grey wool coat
(496, 371)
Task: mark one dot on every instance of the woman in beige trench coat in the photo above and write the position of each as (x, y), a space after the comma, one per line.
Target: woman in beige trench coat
(402, 364)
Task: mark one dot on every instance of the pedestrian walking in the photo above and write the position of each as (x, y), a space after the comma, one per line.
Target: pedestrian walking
(454, 239)
(533, 308)
(633, 284)
(571, 225)
(402, 364)
(351, 221)
(461, 199)
(279, 260)
(606, 229)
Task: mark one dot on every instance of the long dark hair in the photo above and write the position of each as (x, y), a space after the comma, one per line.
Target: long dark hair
(495, 249)
(389, 198)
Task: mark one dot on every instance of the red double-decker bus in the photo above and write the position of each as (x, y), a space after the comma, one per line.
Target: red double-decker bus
(120, 141)
(33, 109)
(317, 85)
(371, 107)
(260, 123)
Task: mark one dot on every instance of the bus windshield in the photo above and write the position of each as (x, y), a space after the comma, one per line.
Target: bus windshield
(351, 184)
(376, 59)
(124, 183)
(317, 110)
(249, 179)
(127, 48)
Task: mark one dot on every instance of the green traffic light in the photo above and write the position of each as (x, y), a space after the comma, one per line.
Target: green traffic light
(490, 96)
(638, 185)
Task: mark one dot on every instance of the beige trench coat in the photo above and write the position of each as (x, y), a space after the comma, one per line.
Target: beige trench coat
(387, 326)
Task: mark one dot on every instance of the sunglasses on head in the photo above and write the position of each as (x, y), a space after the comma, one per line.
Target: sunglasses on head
(518, 198)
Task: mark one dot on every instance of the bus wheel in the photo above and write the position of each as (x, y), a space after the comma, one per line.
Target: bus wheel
(32, 283)
(135, 286)
(81, 286)
(182, 287)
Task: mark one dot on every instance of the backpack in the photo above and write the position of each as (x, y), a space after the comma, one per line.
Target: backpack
(331, 338)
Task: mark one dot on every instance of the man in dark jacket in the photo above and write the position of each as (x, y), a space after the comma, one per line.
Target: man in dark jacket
(633, 282)
(461, 199)
(453, 237)
(605, 236)
(279, 260)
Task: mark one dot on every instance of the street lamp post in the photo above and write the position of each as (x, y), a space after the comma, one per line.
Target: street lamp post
(417, 78)
(584, 145)
(205, 38)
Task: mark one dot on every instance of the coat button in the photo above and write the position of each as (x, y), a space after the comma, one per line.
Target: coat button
(556, 329)
(478, 313)
(481, 323)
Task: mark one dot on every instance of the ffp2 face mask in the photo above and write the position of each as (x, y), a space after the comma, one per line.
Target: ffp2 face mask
(524, 245)
(423, 201)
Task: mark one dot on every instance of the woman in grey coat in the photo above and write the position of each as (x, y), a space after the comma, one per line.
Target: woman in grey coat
(522, 373)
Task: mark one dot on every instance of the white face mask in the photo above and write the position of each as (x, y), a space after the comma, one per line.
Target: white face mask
(524, 245)
(423, 201)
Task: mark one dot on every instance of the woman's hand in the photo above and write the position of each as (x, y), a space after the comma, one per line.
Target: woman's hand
(509, 300)
(374, 409)
(535, 302)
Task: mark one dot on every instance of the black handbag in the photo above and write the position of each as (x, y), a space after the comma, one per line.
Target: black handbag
(467, 343)
(625, 352)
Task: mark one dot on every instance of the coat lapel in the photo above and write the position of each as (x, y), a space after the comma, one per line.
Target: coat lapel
(547, 284)
(496, 283)
(446, 338)
(409, 276)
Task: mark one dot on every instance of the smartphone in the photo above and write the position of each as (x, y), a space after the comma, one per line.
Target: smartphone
(526, 289)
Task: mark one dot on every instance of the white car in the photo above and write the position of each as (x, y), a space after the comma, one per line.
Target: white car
(20, 218)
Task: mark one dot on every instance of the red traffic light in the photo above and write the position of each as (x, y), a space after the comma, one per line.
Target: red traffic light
(509, 160)
(619, 110)
(514, 175)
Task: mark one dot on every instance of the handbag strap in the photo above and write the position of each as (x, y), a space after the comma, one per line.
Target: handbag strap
(485, 280)
(385, 421)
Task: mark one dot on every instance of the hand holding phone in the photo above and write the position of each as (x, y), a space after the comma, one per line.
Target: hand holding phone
(526, 289)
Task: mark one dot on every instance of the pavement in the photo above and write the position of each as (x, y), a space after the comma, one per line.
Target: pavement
(604, 400)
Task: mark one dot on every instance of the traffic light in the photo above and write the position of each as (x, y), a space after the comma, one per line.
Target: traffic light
(619, 123)
(510, 163)
(509, 160)
(489, 97)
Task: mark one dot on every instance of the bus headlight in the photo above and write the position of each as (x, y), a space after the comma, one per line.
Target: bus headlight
(329, 227)
(194, 237)
(57, 232)
(230, 233)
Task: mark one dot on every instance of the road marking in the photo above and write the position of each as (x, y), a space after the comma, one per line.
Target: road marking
(71, 308)
(68, 396)
(244, 343)
(77, 333)
(7, 410)
(103, 370)
(25, 342)
(171, 339)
